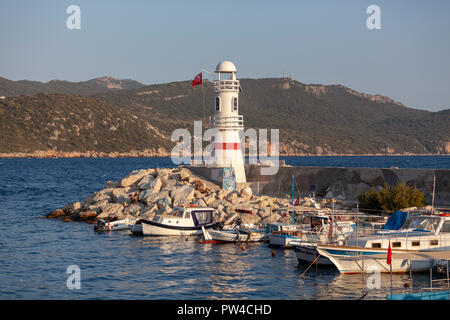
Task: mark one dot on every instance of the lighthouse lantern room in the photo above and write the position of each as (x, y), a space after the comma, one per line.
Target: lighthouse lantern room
(226, 119)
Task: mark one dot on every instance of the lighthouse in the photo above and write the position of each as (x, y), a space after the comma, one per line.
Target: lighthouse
(226, 119)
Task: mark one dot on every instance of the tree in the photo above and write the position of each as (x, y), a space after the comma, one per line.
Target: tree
(392, 198)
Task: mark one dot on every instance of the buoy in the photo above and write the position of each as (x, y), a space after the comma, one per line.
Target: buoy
(273, 253)
(243, 247)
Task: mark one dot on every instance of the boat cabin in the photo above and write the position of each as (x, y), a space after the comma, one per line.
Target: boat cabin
(430, 232)
(187, 216)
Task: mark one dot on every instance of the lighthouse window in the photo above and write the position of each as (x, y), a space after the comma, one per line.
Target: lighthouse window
(235, 104)
(217, 104)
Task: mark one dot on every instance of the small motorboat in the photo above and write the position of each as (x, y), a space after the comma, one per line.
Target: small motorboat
(182, 221)
(236, 235)
(124, 224)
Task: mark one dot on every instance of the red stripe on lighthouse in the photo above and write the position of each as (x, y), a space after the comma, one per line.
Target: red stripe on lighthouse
(227, 146)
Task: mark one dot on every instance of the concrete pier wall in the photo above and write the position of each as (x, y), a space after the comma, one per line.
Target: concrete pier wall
(348, 183)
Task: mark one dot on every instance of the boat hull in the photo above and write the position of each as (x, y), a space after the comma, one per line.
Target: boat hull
(367, 260)
(283, 241)
(152, 228)
(307, 253)
(220, 236)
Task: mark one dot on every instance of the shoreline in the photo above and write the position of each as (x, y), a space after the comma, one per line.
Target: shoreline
(138, 154)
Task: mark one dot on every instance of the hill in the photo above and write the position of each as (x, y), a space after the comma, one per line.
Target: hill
(68, 123)
(9, 88)
(313, 119)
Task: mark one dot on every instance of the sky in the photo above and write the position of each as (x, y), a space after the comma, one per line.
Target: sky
(317, 41)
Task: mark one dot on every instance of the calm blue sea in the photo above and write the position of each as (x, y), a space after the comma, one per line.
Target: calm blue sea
(35, 252)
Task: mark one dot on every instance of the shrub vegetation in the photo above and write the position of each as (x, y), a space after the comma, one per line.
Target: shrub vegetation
(391, 198)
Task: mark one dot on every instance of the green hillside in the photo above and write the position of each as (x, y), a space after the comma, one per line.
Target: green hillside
(68, 123)
(313, 119)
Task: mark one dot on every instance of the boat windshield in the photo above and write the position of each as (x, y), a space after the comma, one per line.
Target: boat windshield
(422, 223)
(177, 213)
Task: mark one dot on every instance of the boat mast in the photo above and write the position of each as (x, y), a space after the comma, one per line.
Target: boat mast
(434, 191)
(292, 199)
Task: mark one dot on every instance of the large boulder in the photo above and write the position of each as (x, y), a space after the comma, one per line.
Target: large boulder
(112, 210)
(71, 207)
(182, 195)
(164, 201)
(232, 195)
(221, 194)
(210, 198)
(265, 212)
(230, 218)
(164, 210)
(102, 195)
(184, 174)
(133, 177)
(55, 214)
(168, 183)
(250, 218)
(163, 173)
(145, 182)
(246, 193)
(155, 185)
(273, 217)
(121, 196)
(97, 207)
(87, 215)
(112, 184)
(148, 211)
(200, 186)
(199, 203)
(147, 194)
(133, 209)
(87, 202)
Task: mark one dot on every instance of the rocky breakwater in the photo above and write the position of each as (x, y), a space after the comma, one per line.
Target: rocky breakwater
(160, 190)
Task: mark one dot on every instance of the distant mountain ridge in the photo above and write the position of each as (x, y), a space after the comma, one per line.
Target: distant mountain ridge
(313, 119)
(9, 88)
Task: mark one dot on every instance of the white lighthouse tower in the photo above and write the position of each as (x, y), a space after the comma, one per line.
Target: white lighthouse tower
(226, 119)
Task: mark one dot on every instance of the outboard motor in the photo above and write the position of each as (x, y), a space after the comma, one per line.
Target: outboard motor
(100, 226)
(218, 226)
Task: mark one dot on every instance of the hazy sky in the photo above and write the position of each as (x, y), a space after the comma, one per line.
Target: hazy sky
(324, 42)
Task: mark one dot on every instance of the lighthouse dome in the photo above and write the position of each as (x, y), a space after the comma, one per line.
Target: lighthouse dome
(225, 66)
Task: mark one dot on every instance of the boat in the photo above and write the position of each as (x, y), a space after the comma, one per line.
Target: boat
(420, 235)
(124, 224)
(421, 295)
(182, 221)
(319, 229)
(237, 235)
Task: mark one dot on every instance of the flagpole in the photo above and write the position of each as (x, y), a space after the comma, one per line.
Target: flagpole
(203, 106)
(203, 99)
(390, 261)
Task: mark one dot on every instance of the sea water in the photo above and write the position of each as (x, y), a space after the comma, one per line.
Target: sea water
(35, 253)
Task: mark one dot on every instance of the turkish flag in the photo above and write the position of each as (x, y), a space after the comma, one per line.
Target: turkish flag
(197, 80)
(389, 256)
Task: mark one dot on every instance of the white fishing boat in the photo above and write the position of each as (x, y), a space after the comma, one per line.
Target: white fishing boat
(182, 221)
(124, 224)
(318, 230)
(237, 235)
(401, 261)
(420, 234)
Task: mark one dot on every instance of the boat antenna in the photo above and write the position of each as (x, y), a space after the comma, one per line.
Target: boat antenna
(434, 191)
(292, 199)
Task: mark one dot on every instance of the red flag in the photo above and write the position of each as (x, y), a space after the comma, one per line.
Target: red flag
(389, 256)
(197, 80)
